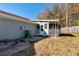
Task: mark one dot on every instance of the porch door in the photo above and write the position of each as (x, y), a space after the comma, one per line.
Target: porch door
(52, 29)
(42, 29)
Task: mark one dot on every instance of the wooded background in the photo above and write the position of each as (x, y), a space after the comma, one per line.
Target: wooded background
(67, 13)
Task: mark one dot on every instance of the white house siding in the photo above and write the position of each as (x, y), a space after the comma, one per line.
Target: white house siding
(0, 29)
(10, 29)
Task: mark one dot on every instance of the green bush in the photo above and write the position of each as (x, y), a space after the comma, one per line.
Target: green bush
(27, 33)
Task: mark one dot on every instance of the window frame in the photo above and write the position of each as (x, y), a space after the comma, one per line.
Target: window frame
(45, 26)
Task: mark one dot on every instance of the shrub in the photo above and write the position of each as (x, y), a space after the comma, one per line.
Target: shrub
(27, 33)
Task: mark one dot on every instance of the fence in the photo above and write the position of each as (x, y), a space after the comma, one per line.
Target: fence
(70, 29)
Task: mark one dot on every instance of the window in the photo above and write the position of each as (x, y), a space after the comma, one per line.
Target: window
(50, 26)
(21, 28)
(41, 27)
(45, 26)
(38, 26)
(54, 25)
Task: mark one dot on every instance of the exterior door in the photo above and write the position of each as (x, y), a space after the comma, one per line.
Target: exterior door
(42, 29)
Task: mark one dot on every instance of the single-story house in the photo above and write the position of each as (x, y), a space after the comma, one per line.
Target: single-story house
(13, 26)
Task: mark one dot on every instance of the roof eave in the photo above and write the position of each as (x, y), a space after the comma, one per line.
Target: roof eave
(13, 17)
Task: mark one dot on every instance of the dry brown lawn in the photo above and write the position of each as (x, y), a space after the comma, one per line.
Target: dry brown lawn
(60, 46)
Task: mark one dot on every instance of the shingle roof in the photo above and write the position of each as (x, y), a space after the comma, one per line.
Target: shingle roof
(13, 16)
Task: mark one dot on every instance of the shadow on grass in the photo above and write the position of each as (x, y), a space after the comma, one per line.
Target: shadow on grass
(66, 34)
(39, 39)
(33, 42)
(27, 52)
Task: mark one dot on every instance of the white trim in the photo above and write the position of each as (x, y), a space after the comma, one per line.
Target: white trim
(55, 30)
(48, 20)
(48, 28)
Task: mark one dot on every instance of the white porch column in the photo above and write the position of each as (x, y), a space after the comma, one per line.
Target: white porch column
(48, 27)
(55, 29)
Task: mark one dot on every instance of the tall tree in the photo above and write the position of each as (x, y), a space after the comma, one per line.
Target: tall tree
(66, 13)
